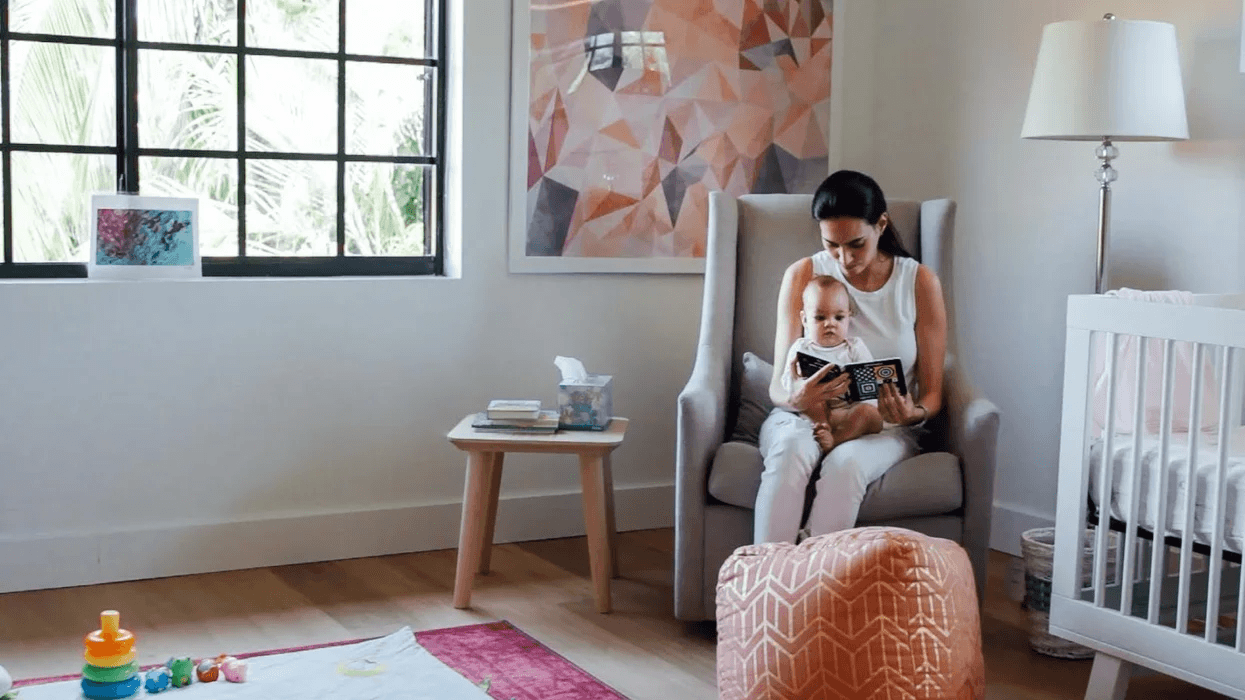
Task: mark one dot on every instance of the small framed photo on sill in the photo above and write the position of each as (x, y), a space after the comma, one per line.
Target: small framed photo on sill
(140, 237)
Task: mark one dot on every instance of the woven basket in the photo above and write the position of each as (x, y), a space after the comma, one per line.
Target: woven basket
(1038, 547)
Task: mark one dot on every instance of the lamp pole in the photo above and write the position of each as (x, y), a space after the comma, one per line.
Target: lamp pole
(1106, 175)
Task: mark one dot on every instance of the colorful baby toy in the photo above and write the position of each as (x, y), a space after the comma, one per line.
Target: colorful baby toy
(157, 680)
(110, 671)
(234, 669)
(207, 671)
(180, 671)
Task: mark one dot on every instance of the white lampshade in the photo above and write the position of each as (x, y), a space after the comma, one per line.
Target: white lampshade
(1108, 78)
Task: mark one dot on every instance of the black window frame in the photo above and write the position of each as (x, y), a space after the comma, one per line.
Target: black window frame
(128, 151)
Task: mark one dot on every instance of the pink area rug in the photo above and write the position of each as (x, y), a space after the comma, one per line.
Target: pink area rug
(497, 657)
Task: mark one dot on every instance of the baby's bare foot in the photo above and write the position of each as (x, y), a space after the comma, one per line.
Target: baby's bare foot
(824, 437)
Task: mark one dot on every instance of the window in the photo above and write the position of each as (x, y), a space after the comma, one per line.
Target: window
(311, 131)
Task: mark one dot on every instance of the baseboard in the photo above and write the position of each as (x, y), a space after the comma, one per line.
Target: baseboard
(1009, 521)
(57, 561)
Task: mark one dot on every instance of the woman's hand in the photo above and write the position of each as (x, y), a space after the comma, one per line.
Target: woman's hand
(899, 408)
(809, 393)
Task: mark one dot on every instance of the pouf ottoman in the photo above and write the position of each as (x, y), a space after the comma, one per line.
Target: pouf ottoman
(865, 613)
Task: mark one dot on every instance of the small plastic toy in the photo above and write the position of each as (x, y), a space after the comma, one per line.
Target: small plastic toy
(234, 669)
(207, 671)
(157, 680)
(180, 671)
(110, 671)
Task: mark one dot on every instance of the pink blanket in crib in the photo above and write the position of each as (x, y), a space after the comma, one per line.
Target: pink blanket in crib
(1126, 376)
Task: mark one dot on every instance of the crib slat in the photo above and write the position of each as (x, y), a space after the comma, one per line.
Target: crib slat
(1107, 477)
(1220, 488)
(1073, 474)
(1190, 490)
(1158, 562)
(1130, 533)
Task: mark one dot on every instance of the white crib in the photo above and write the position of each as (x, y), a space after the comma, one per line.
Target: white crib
(1179, 612)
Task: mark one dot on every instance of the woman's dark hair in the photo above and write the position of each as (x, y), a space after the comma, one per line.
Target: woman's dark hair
(854, 195)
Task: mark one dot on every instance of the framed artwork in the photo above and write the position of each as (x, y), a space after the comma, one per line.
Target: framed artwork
(625, 114)
(137, 237)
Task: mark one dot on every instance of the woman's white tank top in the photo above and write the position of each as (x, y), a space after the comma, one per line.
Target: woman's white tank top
(885, 319)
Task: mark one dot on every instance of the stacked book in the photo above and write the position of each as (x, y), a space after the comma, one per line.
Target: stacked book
(516, 416)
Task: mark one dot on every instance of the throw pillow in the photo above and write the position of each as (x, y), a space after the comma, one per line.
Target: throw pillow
(754, 402)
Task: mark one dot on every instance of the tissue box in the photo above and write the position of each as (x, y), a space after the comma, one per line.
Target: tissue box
(587, 404)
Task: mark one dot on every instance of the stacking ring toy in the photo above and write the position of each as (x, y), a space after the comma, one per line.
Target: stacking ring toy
(100, 674)
(109, 631)
(110, 691)
(108, 647)
(109, 641)
(109, 661)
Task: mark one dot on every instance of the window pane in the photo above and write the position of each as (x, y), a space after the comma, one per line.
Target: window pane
(386, 109)
(69, 17)
(291, 105)
(386, 28)
(189, 21)
(305, 25)
(187, 100)
(291, 207)
(214, 181)
(385, 209)
(64, 94)
(52, 201)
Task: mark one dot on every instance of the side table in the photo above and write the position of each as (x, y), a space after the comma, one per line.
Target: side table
(485, 452)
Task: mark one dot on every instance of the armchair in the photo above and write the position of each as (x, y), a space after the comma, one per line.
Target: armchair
(946, 491)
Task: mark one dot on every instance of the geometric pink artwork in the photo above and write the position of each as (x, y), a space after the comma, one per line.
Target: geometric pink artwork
(637, 109)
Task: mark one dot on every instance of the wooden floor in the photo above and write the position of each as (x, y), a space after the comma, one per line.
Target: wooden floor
(542, 587)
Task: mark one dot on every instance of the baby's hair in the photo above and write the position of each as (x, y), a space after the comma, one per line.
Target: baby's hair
(829, 283)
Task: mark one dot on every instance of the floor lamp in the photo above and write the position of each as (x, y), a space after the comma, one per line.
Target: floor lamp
(1107, 80)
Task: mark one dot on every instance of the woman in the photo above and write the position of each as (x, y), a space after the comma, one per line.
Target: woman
(899, 313)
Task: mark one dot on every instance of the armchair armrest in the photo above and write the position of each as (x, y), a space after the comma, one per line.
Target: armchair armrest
(972, 432)
(702, 404)
(700, 426)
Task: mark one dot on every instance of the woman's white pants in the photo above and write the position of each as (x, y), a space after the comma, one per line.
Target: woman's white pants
(791, 453)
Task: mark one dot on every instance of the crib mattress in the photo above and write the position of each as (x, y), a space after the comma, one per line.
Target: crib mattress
(1176, 472)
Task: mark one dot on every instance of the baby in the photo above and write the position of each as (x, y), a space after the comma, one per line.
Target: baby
(825, 315)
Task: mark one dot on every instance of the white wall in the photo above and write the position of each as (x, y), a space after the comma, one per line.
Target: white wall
(951, 81)
(145, 425)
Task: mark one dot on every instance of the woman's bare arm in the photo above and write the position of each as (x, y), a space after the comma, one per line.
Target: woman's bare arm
(931, 339)
(787, 325)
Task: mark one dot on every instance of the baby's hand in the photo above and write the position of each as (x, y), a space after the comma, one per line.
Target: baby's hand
(825, 438)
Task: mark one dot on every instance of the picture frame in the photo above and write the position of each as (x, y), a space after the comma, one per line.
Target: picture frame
(616, 179)
(143, 237)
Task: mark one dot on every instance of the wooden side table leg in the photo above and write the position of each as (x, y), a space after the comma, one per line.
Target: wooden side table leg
(610, 525)
(592, 478)
(490, 518)
(471, 531)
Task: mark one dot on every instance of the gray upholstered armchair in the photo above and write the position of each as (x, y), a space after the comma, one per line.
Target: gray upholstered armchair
(947, 491)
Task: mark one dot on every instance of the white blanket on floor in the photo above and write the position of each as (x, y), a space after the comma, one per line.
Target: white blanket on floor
(407, 672)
